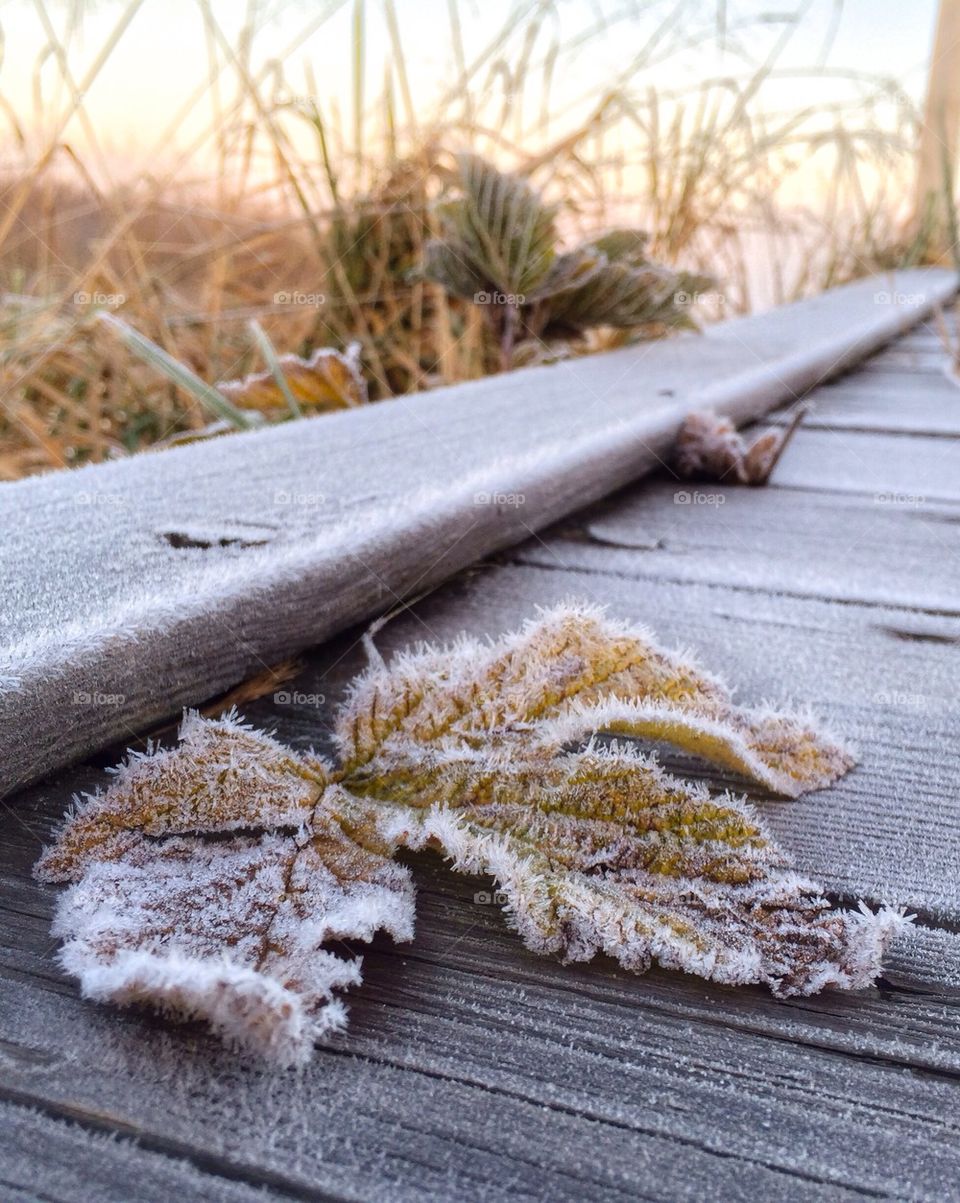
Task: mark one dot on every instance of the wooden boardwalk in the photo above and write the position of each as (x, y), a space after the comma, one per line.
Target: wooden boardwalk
(475, 1070)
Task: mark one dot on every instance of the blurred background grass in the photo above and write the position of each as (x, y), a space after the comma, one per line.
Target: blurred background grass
(296, 180)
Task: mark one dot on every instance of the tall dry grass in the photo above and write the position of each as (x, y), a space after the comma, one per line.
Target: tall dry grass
(306, 199)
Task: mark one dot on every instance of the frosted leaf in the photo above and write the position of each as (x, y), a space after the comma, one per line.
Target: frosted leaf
(602, 851)
(709, 447)
(787, 755)
(328, 380)
(230, 930)
(223, 776)
(569, 674)
(210, 877)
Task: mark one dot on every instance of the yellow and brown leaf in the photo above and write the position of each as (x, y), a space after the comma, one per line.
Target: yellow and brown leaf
(328, 380)
(211, 877)
(572, 672)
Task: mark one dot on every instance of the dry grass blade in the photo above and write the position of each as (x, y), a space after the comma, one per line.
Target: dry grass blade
(306, 199)
(212, 398)
(265, 346)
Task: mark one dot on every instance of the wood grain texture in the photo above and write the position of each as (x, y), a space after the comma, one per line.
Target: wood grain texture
(891, 548)
(888, 468)
(197, 566)
(44, 1158)
(854, 403)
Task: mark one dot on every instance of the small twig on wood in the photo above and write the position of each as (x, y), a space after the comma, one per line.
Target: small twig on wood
(259, 686)
(783, 442)
(374, 658)
(952, 367)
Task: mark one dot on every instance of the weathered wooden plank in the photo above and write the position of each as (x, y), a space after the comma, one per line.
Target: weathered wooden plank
(876, 405)
(890, 468)
(927, 337)
(918, 360)
(48, 1160)
(883, 549)
(402, 1123)
(928, 332)
(926, 956)
(558, 1081)
(194, 566)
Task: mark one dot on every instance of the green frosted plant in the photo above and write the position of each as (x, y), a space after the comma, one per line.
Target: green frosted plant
(210, 877)
(499, 249)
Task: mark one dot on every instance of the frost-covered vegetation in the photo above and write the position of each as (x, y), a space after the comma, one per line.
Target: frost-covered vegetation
(309, 214)
(211, 877)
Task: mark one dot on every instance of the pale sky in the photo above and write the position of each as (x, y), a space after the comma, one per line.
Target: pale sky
(164, 55)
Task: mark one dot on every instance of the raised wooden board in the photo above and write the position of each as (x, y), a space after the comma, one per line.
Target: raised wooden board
(136, 587)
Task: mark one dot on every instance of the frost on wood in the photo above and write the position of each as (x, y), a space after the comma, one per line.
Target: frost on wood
(210, 877)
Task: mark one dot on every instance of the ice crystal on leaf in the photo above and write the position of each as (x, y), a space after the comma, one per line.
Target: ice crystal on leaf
(211, 877)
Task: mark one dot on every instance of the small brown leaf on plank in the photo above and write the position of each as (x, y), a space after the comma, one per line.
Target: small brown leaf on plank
(709, 447)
